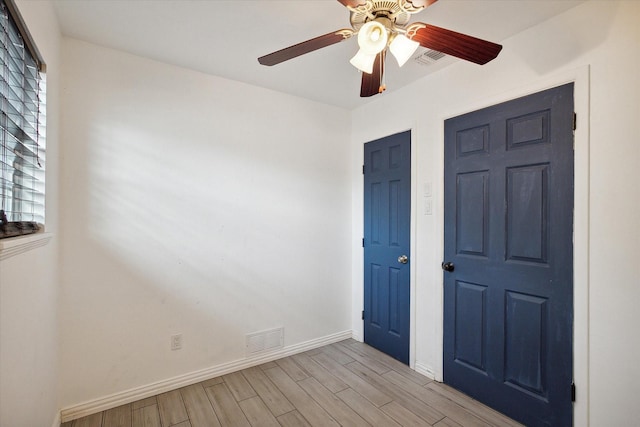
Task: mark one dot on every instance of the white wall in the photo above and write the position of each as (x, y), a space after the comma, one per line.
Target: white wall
(268, 184)
(598, 42)
(29, 281)
(194, 205)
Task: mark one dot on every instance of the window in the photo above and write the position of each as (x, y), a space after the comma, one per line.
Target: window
(22, 117)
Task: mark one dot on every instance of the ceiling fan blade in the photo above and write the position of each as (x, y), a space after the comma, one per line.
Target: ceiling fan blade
(305, 47)
(371, 82)
(455, 44)
(353, 3)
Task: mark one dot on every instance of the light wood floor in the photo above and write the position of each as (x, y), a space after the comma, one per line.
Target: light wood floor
(343, 384)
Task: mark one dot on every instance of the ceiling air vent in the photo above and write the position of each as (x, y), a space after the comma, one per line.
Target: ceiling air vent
(429, 57)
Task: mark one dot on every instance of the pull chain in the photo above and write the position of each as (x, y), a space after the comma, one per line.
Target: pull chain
(383, 58)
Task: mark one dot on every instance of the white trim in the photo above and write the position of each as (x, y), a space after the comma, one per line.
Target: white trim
(581, 242)
(142, 392)
(413, 247)
(21, 244)
(581, 79)
(425, 370)
(56, 420)
(356, 336)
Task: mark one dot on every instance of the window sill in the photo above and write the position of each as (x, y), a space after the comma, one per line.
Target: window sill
(18, 245)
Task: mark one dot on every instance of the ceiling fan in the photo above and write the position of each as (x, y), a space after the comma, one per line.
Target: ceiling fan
(383, 25)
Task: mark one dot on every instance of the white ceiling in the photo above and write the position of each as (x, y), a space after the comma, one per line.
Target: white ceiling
(225, 38)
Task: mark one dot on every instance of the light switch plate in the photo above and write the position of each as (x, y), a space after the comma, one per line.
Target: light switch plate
(428, 190)
(428, 206)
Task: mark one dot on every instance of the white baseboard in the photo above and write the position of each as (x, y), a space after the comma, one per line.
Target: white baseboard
(357, 336)
(138, 393)
(425, 370)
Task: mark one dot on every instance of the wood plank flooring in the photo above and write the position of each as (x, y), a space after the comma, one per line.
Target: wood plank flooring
(342, 384)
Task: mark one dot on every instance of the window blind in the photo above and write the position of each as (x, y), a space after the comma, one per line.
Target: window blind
(22, 120)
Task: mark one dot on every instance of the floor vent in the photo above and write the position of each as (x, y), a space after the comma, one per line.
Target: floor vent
(259, 342)
(429, 57)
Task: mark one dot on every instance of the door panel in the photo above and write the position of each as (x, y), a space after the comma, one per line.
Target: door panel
(387, 200)
(471, 306)
(508, 303)
(471, 214)
(525, 364)
(527, 219)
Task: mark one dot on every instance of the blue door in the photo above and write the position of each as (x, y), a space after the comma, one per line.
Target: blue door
(387, 216)
(508, 267)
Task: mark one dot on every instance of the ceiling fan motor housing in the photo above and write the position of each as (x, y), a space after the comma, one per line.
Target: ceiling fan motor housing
(392, 14)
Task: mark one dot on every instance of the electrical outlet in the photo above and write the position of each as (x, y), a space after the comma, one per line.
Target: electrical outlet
(176, 342)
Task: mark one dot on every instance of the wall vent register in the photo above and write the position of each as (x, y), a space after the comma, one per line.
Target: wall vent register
(263, 341)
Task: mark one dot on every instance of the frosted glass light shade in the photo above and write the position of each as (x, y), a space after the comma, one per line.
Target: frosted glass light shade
(372, 37)
(364, 61)
(402, 48)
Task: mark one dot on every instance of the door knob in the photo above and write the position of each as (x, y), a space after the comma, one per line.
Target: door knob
(448, 266)
(402, 259)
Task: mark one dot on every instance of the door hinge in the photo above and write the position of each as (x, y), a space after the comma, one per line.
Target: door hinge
(363, 242)
(573, 392)
(575, 121)
(362, 314)
(362, 169)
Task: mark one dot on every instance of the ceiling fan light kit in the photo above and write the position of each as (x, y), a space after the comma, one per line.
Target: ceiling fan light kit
(382, 25)
(363, 61)
(402, 48)
(372, 37)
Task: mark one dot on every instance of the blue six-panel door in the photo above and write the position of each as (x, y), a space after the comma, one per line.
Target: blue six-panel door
(508, 303)
(387, 216)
